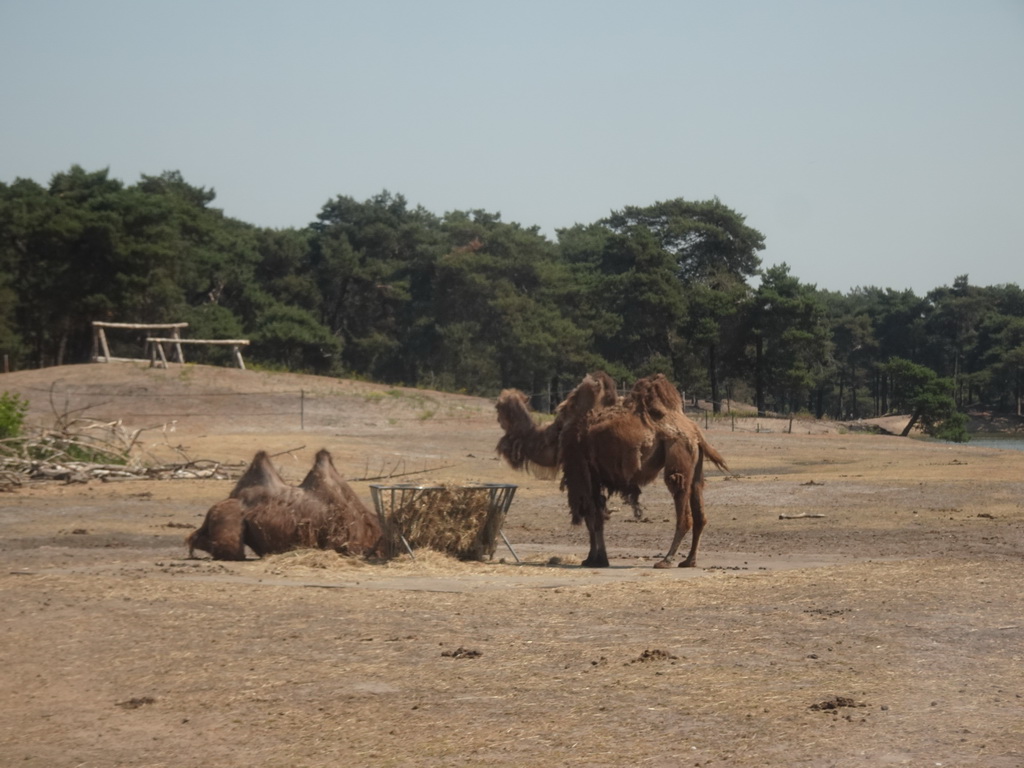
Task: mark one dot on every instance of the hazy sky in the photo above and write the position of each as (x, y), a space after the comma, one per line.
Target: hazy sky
(873, 142)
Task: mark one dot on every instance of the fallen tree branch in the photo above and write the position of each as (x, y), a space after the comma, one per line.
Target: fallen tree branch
(402, 474)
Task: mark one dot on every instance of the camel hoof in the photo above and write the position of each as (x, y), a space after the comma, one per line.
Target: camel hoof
(597, 563)
(663, 564)
(688, 564)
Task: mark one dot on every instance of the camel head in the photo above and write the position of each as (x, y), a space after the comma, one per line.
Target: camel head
(526, 445)
(609, 393)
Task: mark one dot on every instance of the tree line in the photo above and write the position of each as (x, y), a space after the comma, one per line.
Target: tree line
(464, 301)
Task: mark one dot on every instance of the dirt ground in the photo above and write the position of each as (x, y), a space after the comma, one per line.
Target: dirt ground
(885, 630)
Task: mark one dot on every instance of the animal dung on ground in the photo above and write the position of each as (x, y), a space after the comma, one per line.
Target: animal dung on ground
(654, 655)
(835, 702)
(463, 653)
(459, 520)
(136, 702)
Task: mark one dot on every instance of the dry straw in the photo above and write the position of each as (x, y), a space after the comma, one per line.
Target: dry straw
(462, 521)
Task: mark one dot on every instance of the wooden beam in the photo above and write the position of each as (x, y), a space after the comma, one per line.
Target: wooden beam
(233, 342)
(139, 326)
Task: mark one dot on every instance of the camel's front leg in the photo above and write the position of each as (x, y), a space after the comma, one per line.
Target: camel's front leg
(598, 556)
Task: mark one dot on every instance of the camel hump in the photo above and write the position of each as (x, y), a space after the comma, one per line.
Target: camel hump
(323, 474)
(656, 397)
(261, 473)
(580, 401)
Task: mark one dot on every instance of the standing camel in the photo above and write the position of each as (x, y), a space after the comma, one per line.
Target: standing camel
(603, 445)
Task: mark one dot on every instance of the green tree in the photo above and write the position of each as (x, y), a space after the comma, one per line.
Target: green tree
(639, 287)
(88, 248)
(919, 390)
(854, 349)
(12, 347)
(952, 327)
(293, 337)
(895, 321)
(500, 300)
(373, 262)
(791, 340)
(1005, 363)
(714, 252)
(705, 238)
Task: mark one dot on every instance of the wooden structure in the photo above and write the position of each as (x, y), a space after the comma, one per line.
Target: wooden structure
(101, 351)
(156, 346)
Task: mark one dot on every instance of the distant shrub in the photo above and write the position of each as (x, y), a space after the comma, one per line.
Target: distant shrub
(12, 415)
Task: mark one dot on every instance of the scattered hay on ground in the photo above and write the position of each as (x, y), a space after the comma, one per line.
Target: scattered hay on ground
(311, 559)
(434, 563)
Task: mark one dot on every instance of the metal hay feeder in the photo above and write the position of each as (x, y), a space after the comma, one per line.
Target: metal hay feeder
(390, 501)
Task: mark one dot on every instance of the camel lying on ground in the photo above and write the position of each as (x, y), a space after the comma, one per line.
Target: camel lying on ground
(604, 446)
(270, 516)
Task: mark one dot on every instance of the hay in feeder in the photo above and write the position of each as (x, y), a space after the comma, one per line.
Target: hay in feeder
(462, 521)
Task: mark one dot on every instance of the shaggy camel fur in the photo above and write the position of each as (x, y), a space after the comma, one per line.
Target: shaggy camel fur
(604, 446)
(271, 516)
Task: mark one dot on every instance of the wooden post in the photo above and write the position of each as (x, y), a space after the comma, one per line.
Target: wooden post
(177, 346)
(163, 357)
(103, 344)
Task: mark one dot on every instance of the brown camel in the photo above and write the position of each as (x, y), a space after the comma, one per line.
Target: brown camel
(270, 516)
(604, 446)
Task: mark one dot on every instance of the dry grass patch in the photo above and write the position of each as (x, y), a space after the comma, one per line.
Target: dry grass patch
(311, 560)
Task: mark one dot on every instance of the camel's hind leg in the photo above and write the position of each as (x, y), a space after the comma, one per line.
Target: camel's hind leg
(699, 520)
(682, 478)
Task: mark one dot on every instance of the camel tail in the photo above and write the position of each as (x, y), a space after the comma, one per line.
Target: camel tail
(715, 457)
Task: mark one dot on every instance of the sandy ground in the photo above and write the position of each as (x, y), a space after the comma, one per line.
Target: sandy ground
(886, 630)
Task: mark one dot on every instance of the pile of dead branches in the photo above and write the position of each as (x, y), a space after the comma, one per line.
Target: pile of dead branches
(77, 450)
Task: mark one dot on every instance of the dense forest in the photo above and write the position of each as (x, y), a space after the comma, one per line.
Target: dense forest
(464, 301)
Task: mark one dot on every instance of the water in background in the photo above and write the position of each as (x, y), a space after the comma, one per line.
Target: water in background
(1003, 442)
